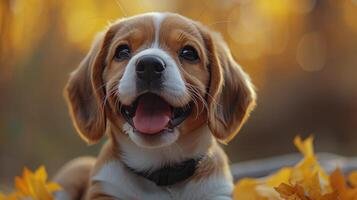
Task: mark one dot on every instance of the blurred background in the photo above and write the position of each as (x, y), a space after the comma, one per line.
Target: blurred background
(300, 54)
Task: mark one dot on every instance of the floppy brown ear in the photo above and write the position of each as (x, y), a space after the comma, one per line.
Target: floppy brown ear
(231, 96)
(85, 91)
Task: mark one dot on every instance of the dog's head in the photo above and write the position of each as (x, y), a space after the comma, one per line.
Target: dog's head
(158, 77)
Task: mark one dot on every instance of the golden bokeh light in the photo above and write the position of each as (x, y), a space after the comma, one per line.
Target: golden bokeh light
(311, 52)
(89, 16)
(350, 14)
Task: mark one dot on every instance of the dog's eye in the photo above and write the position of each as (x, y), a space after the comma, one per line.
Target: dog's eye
(122, 52)
(189, 53)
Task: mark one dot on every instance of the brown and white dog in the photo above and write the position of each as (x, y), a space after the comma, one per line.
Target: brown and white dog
(164, 89)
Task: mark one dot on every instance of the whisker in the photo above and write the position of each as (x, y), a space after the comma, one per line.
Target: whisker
(110, 92)
(204, 8)
(196, 90)
(117, 101)
(219, 22)
(121, 8)
(195, 95)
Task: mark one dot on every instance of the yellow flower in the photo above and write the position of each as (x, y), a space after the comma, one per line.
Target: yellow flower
(33, 185)
(353, 179)
(246, 189)
(307, 180)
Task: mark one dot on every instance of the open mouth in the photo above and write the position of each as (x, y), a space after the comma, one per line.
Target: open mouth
(150, 114)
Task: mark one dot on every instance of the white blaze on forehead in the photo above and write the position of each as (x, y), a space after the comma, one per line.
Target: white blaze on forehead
(173, 87)
(158, 18)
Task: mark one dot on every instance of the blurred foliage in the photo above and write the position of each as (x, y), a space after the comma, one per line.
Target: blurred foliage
(299, 53)
(307, 180)
(32, 185)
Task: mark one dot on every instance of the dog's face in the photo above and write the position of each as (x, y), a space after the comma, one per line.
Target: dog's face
(158, 77)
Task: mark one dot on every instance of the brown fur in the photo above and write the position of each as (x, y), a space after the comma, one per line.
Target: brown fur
(211, 163)
(81, 169)
(231, 95)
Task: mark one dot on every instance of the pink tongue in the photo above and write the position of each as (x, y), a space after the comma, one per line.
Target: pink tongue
(152, 114)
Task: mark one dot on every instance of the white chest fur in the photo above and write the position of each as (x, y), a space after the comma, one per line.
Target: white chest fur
(120, 183)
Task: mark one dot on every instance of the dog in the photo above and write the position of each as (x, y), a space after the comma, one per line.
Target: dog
(166, 91)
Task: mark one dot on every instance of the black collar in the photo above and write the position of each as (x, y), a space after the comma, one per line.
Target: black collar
(171, 174)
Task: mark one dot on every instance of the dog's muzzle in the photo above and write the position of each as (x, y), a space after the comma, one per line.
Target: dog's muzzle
(150, 113)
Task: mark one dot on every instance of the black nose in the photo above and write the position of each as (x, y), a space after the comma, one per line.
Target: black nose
(150, 68)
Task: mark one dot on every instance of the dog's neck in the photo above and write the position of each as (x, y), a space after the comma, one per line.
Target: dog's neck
(194, 145)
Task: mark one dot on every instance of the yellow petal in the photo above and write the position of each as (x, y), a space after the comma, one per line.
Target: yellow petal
(27, 177)
(313, 187)
(27, 173)
(306, 146)
(21, 185)
(281, 176)
(41, 174)
(286, 190)
(268, 192)
(245, 189)
(33, 185)
(302, 170)
(337, 181)
(352, 178)
(52, 187)
(40, 191)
